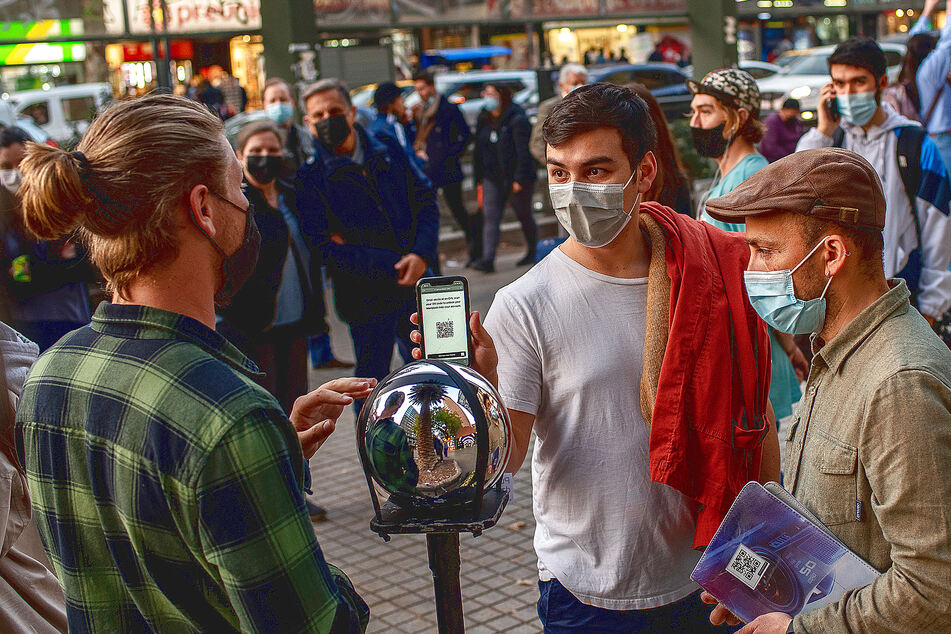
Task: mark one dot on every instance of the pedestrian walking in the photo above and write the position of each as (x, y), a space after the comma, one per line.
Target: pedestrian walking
(504, 168)
(442, 136)
(372, 218)
(725, 126)
(584, 346)
(671, 187)
(783, 131)
(915, 178)
(869, 449)
(174, 478)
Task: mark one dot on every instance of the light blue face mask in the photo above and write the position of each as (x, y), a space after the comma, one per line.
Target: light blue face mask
(490, 103)
(774, 300)
(858, 107)
(280, 112)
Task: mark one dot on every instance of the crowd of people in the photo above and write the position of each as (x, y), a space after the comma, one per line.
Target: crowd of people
(156, 455)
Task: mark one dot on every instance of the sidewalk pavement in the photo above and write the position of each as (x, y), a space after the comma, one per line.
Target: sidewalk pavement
(499, 575)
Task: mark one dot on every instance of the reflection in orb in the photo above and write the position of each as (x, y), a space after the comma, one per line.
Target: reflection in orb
(421, 435)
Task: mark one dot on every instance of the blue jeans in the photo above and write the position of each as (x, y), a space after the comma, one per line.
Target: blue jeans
(561, 612)
(373, 345)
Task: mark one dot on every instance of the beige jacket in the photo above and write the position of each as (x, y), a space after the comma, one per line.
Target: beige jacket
(536, 142)
(869, 452)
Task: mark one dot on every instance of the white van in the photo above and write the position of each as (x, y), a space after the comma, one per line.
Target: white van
(64, 112)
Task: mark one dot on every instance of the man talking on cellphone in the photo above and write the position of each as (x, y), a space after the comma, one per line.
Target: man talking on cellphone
(634, 355)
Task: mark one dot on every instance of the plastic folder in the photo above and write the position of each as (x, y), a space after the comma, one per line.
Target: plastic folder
(771, 554)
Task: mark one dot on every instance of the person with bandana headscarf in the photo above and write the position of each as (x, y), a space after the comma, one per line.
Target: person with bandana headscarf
(725, 126)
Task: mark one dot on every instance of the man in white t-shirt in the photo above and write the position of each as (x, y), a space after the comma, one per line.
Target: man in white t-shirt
(615, 549)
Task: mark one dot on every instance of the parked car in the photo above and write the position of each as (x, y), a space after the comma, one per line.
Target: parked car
(64, 112)
(667, 82)
(758, 69)
(465, 90)
(805, 76)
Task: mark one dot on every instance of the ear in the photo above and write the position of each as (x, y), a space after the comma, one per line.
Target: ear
(834, 254)
(352, 115)
(647, 172)
(198, 212)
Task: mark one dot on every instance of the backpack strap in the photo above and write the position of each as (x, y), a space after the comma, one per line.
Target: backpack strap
(838, 137)
(910, 139)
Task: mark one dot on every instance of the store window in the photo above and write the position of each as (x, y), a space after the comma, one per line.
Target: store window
(79, 108)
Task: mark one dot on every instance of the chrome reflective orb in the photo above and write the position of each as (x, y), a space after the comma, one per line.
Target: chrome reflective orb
(420, 434)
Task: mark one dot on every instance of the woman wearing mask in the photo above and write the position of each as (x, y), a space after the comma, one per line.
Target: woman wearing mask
(505, 170)
(671, 187)
(45, 281)
(725, 126)
(270, 317)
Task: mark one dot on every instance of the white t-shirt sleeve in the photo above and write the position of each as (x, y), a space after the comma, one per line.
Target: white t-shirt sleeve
(516, 341)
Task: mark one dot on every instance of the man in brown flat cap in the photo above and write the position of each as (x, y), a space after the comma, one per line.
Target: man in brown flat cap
(869, 450)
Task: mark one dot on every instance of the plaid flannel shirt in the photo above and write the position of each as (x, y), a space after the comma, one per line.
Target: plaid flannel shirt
(168, 487)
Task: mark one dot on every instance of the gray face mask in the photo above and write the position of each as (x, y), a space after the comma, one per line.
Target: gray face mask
(592, 214)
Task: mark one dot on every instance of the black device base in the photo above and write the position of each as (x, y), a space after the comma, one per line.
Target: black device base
(396, 520)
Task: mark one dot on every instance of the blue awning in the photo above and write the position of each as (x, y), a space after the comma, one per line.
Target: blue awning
(457, 54)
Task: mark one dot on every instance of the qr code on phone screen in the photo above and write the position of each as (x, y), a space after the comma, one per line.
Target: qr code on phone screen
(444, 330)
(747, 566)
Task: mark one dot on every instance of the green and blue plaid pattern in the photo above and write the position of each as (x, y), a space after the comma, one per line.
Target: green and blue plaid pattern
(168, 487)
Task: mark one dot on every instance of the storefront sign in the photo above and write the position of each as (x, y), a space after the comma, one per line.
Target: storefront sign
(39, 30)
(39, 53)
(185, 16)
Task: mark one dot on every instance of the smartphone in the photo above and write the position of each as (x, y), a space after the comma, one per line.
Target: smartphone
(443, 307)
(832, 107)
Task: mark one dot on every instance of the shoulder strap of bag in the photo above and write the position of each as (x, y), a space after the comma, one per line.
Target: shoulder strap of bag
(910, 139)
(934, 102)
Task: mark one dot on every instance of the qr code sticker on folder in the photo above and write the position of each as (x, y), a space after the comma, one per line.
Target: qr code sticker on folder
(747, 566)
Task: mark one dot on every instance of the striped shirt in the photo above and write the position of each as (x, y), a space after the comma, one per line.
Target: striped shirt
(168, 486)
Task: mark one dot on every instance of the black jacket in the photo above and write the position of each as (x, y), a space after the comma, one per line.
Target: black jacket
(251, 312)
(501, 148)
(361, 219)
(446, 142)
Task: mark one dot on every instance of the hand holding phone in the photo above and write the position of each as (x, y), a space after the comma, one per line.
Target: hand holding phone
(443, 307)
(828, 112)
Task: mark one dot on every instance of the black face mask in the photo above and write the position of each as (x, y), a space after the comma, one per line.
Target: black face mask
(709, 142)
(332, 131)
(237, 267)
(264, 169)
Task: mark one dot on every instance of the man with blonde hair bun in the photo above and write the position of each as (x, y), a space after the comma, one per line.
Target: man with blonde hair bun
(168, 487)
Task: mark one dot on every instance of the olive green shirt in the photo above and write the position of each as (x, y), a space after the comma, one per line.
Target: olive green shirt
(869, 452)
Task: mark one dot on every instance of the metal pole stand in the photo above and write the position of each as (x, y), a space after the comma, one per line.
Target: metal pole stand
(442, 544)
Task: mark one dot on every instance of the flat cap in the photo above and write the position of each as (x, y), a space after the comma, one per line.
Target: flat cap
(826, 184)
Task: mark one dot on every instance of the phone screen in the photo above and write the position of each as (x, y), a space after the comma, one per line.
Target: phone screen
(444, 318)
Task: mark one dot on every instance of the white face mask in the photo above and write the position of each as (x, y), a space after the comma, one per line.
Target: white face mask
(11, 179)
(592, 214)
